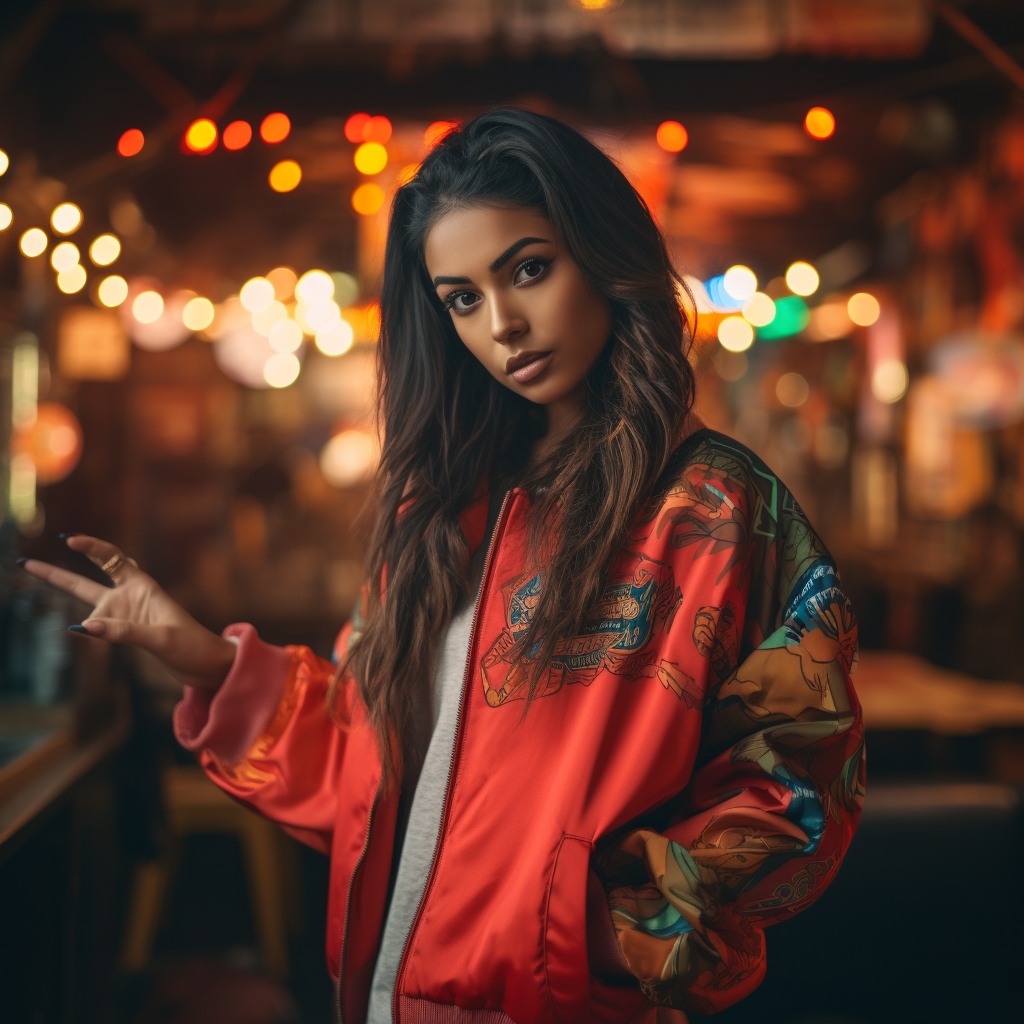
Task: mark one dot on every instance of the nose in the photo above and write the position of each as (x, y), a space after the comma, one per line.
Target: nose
(507, 322)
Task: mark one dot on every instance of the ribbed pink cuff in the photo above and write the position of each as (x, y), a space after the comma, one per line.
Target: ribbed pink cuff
(233, 717)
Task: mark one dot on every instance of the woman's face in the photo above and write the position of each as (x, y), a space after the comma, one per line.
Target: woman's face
(518, 302)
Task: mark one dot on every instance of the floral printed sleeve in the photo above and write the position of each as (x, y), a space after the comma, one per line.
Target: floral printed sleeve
(759, 831)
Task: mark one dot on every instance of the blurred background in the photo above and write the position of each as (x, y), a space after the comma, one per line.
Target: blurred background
(193, 202)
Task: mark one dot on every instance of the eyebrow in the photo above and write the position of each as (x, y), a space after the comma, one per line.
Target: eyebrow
(497, 264)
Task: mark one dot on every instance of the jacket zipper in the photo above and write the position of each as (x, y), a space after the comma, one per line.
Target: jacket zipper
(451, 765)
(348, 907)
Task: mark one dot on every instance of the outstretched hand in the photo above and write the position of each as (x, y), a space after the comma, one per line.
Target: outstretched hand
(137, 611)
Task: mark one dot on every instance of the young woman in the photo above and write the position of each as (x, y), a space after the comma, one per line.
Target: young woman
(591, 728)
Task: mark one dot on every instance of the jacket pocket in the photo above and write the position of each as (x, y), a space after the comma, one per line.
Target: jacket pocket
(566, 966)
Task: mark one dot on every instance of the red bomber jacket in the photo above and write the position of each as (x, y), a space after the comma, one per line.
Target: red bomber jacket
(691, 771)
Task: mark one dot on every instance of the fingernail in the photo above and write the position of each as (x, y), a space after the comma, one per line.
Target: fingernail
(79, 629)
(64, 536)
(20, 561)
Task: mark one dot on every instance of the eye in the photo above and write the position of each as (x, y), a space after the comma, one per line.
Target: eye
(530, 270)
(461, 302)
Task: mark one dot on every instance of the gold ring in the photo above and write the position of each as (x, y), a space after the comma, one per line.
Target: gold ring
(111, 565)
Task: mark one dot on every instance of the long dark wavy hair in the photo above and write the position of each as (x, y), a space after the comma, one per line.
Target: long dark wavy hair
(447, 424)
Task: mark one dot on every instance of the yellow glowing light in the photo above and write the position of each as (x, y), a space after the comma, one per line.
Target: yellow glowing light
(819, 123)
(348, 458)
(6, 216)
(104, 250)
(367, 199)
(759, 310)
(314, 286)
(285, 176)
(201, 136)
(336, 339)
(256, 295)
(148, 307)
(792, 390)
(802, 278)
(263, 321)
(863, 308)
(735, 334)
(371, 158)
(198, 314)
(66, 218)
(672, 136)
(33, 242)
(320, 315)
(283, 279)
(281, 369)
(285, 335)
(739, 282)
(113, 290)
(71, 280)
(64, 256)
(5, 162)
(889, 380)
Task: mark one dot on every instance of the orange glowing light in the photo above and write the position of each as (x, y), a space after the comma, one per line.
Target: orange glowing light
(275, 128)
(201, 136)
(131, 142)
(355, 126)
(436, 132)
(53, 442)
(377, 129)
(237, 135)
(285, 176)
(367, 199)
(819, 123)
(672, 136)
(406, 174)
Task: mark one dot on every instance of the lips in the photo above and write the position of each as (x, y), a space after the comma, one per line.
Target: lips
(522, 359)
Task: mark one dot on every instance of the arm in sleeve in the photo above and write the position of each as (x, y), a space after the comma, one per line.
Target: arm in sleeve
(266, 737)
(762, 826)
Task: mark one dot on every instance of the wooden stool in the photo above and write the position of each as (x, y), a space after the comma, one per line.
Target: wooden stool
(194, 804)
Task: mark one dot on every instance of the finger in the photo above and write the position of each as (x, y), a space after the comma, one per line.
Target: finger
(100, 552)
(121, 631)
(87, 590)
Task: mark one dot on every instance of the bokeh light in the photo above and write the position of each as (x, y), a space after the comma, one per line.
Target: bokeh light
(64, 256)
(201, 136)
(263, 321)
(802, 278)
(72, 280)
(147, 307)
(672, 136)
(346, 288)
(131, 142)
(275, 128)
(112, 291)
(66, 218)
(889, 380)
(759, 310)
(406, 174)
(33, 242)
(5, 162)
(819, 123)
(829, 321)
(198, 313)
(314, 286)
(6, 216)
(864, 309)
(283, 279)
(281, 369)
(348, 458)
(104, 250)
(792, 390)
(370, 158)
(436, 132)
(257, 294)
(739, 282)
(237, 135)
(355, 126)
(285, 335)
(336, 339)
(367, 199)
(735, 334)
(320, 315)
(52, 441)
(377, 129)
(285, 176)
(791, 317)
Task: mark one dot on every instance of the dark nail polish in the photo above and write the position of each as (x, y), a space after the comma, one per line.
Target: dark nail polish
(20, 561)
(64, 536)
(79, 629)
